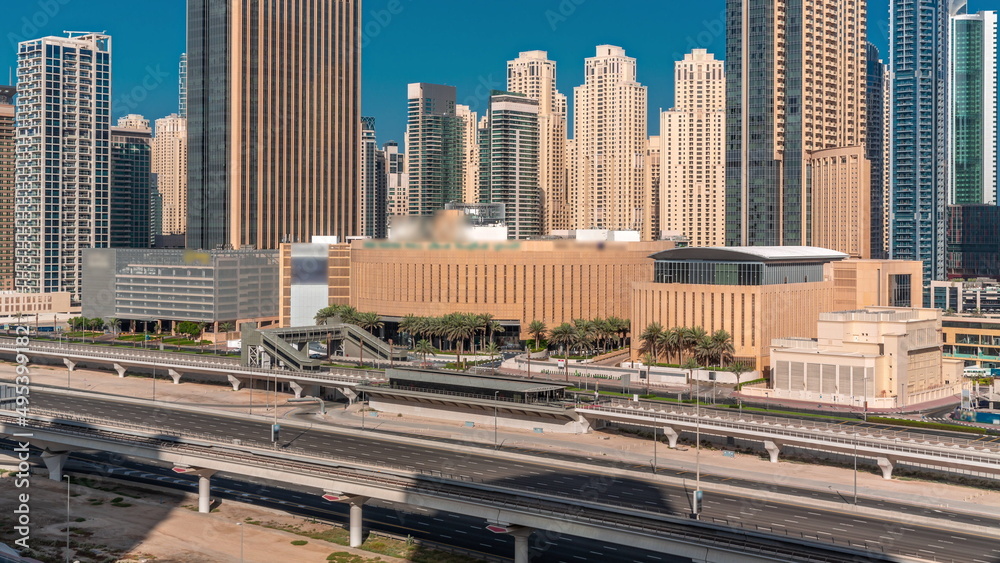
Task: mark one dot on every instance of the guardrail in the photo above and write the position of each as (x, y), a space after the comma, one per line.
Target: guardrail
(511, 499)
(893, 443)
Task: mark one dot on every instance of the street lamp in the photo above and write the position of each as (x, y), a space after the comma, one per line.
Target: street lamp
(691, 365)
(855, 469)
(767, 400)
(496, 399)
(864, 413)
(69, 482)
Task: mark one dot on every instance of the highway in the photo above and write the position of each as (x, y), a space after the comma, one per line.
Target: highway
(537, 476)
(456, 530)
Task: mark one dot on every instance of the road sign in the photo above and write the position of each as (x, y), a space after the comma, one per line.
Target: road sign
(183, 469)
(332, 498)
(497, 529)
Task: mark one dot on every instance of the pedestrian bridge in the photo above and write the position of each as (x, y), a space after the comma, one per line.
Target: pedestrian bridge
(887, 448)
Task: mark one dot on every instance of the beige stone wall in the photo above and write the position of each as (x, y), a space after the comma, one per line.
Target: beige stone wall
(753, 315)
(841, 196)
(550, 281)
(866, 283)
(12, 303)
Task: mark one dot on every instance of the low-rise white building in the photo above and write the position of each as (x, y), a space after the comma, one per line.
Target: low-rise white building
(884, 356)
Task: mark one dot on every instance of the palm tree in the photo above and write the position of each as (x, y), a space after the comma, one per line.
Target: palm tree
(409, 325)
(692, 336)
(563, 336)
(349, 315)
(369, 322)
(620, 327)
(113, 321)
(704, 352)
(424, 347)
(602, 332)
(690, 365)
(537, 330)
(650, 338)
(226, 328)
(722, 346)
(459, 327)
(495, 328)
(492, 349)
(739, 368)
(327, 313)
(672, 342)
(584, 339)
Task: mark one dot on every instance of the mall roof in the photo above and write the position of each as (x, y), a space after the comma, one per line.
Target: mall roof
(490, 384)
(752, 254)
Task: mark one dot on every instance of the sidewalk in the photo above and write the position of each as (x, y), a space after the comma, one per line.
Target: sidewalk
(629, 452)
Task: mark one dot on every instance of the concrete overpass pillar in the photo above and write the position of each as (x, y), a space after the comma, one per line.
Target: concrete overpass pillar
(357, 521)
(886, 465)
(70, 365)
(521, 535)
(296, 388)
(175, 375)
(204, 485)
(54, 462)
(773, 449)
(234, 381)
(120, 369)
(672, 435)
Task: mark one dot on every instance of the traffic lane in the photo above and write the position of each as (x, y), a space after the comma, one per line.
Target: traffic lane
(452, 529)
(365, 449)
(410, 520)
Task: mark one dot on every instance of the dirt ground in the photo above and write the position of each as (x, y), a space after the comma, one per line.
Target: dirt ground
(137, 525)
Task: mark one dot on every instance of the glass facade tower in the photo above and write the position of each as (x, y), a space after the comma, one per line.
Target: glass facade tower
(783, 105)
(273, 121)
(509, 162)
(973, 107)
(919, 140)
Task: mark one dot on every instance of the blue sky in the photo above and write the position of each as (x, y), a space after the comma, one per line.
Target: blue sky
(464, 44)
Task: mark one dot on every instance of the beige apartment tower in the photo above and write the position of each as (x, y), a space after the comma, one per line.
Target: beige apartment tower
(790, 95)
(534, 75)
(692, 137)
(610, 141)
(168, 161)
(7, 167)
(273, 121)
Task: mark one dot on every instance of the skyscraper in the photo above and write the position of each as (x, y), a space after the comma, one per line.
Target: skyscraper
(7, 166)
(373, 183)
(508, 162)
(435, 152)
(692, 154)
(877, 147)
(182, 86)
(973, 107)
(396, 180)
(919, 133)
(169, 162)
(610, 141)
(534, 75)
(130, 183)
(63, 131)
(469, 141)
(273, 121)
(795, 79)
